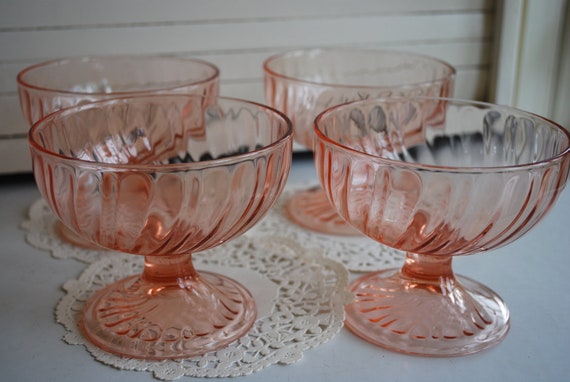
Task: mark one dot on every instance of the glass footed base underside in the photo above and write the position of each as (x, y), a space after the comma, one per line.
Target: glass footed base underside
(450, 317)
(312, 210)
(135, 318)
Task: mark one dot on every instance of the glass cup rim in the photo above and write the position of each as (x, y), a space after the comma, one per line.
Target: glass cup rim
(148, 167)
(320, 136)
(452, 71)
(21, 80)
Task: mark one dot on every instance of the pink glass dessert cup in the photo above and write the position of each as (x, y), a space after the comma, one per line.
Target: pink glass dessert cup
(304, 83)
(436, 178)
(163, 176)
(53, 85)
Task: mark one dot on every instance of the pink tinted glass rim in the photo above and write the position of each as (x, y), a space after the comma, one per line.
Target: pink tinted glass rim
(475, 169)
(20, 78)
(287, 135)
(266, 67)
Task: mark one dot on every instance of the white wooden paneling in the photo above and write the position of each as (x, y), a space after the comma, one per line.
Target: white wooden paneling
(562, 98)
(15, 156)
(530, 64)
(540, 55)
(231, 36)
(462, 54)
(507, 47)
(12, 122)
(29, 14)
(246, 64)
(236, 35)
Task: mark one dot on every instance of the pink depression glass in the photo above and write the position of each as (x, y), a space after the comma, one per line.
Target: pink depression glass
(163, 176)
(436, 178)
(304, 83)
(53, 85)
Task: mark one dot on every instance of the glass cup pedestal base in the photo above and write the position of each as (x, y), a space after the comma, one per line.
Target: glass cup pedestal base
(426, 314)
(312, 210)
(153, 319)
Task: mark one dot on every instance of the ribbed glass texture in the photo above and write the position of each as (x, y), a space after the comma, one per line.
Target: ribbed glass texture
(304, 83)
(436, 178)
(439, 177)
(148, 175)
(163, 176)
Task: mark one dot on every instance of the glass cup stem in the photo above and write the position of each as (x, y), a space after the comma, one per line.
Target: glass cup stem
(169, 270)
(427, 268)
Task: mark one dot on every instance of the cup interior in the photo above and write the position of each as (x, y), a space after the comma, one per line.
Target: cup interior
(117, 74)
(159, 130)
(443, 133)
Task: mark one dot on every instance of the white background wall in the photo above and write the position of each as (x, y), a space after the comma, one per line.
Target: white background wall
(237, 35)
(533, 57)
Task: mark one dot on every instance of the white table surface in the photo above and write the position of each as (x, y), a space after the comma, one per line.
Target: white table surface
(532, 276)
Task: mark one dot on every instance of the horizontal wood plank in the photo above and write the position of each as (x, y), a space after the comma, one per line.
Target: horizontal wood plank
(19, 45)
(460, 54)
(14, 156)
(45, 14)
(237, 36)
(248, 64)
(12, 121)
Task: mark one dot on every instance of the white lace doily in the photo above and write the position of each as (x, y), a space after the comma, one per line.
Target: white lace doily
(300, 296)
(359, 254)
(41, 227)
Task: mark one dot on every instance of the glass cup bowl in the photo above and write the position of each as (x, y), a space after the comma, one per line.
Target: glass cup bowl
(163, 176)
(53, 85)
(303, 83)
(436, 178)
